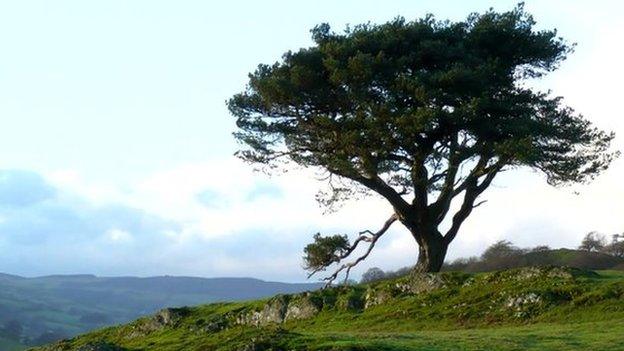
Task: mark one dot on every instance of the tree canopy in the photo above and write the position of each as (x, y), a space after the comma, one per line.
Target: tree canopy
(420, 112)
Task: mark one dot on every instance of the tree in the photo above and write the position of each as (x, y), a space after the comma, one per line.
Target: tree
(502, 255)
(500, 249)
(373, 274)
(424, 114)
(540, 248)
(593, 241)
(616, 247)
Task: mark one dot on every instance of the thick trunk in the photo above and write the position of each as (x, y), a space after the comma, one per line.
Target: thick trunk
(431, 253)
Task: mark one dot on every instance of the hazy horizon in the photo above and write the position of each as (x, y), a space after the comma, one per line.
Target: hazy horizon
(116, 147)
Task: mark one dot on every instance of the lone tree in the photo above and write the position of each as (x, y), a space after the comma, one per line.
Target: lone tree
(593, 242)
(421, 113)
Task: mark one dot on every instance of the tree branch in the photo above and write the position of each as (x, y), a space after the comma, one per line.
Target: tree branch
(441, 206)
(473, 190)
(365, 236)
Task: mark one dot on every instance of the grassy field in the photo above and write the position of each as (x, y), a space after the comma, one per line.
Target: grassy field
(521, 309)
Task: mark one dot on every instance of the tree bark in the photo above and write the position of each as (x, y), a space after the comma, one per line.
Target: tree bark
(431, 253)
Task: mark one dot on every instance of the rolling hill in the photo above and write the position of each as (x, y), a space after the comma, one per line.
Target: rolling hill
(533, 308)
(52, 307)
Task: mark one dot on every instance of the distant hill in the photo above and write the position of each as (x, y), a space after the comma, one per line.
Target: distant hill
(51, 307)
(547, 257)
(532, 308)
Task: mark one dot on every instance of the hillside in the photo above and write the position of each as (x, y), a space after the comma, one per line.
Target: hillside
(532, 257)
(52, 307)
(546, 308)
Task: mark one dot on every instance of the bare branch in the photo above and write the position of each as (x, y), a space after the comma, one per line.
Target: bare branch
(473, 190)
(365, 236)
(479, 204)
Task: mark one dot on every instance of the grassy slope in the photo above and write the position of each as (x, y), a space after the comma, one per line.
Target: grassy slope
(62, 302)
(545, 309)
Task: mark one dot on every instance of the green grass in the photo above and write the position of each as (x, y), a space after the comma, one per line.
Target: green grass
(522, 309)
(71, 305)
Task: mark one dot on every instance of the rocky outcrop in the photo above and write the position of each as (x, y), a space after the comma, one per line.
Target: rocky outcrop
(164, 318)
(302, 308)
(424, 282)
(413, 285)
(170, 316)
(274, 311)
(353, 300)
(377, 296)
(282, 308)
(537, 273)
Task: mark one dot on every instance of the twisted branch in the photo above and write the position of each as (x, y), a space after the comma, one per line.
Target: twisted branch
(365, 236)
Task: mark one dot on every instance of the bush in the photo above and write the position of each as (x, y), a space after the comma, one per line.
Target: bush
(372, 275)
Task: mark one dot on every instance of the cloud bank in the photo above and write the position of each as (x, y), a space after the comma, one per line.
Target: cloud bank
(220, 218)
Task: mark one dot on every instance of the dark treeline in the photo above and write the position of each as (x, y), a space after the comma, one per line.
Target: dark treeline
(595, 252)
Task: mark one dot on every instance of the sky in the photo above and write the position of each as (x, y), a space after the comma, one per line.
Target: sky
(116, 153)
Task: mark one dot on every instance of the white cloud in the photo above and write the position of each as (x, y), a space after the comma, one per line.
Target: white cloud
(520, 208)
(119, 236)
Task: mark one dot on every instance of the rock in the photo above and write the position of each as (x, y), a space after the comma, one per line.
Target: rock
(351, 302)
(249, 318)
(100, 346)
(274, 311)
(422, 282)
(167, 317)
(302, 308)
(523, 305)
(280, 309)
(519, 301)
(170, 316)
(216, 325)
(376, 297)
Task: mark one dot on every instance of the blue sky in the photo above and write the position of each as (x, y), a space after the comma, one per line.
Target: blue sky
(116, 147)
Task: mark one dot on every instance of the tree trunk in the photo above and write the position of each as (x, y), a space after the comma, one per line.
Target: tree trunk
(431, 253)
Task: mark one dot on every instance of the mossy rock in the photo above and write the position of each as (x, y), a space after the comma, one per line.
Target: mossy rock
(273, 311)
(537, 273)
(351, 300)
(215, 323)
(303, 307)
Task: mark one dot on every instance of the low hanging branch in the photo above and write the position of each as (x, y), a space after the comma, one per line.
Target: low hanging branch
(325, 251)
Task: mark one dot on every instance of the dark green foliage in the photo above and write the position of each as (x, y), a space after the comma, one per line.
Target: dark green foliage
(358, 102)
(324, 251)
(500, 249)
(420, 112)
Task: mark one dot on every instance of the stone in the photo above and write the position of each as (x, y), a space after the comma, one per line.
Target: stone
(376, 297)
(167, 317)
(302, 308)
(100, 346)
(274, 311)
